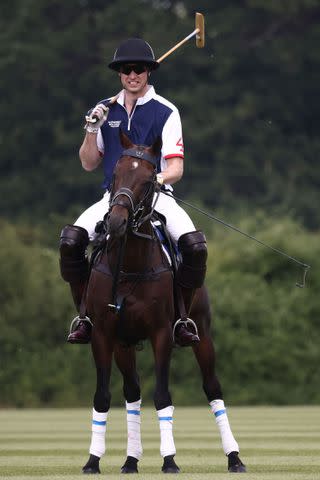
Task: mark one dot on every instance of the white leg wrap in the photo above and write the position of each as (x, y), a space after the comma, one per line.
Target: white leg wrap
(228, 441)
(134, 446)
(167, 446)
(99, 425)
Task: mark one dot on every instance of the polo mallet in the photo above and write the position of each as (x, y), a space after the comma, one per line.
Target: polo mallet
(198, 32)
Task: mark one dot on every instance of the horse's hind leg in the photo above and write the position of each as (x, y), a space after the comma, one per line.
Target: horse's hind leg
(101, 404)
(205, 355)
(125, 359)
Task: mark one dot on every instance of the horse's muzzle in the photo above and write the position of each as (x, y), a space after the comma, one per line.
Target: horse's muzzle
(118, 221)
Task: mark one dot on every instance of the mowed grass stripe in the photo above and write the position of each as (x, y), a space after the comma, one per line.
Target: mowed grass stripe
(298, 446)
(64, 451)
(309, 472)
(275, 443)
(189, 461)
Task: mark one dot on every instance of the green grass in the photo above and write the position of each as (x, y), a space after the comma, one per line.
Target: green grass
(275, 442)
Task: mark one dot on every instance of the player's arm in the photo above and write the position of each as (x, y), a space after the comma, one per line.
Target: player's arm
(172, 150)
(89, 153)
(173, 171)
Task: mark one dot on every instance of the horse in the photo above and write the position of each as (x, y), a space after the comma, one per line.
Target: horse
(130, 298)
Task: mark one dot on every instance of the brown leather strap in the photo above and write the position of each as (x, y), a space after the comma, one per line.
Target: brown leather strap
(83, 304)
(133, 276)
(180, 301)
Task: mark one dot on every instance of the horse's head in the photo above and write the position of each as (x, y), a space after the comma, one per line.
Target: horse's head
(133, 185)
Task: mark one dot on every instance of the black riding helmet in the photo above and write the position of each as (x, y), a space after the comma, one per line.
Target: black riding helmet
(134, 50)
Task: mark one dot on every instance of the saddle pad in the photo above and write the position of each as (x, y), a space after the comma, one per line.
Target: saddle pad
(163, 240)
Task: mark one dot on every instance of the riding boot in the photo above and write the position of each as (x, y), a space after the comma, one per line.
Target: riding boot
(190, 276)
(80, 329)
(74, 267)
(185, 332)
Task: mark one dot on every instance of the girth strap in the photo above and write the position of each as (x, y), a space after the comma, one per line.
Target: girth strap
(150, 275)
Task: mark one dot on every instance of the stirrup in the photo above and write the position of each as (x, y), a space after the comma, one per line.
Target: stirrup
(75, 322)
(186, 322)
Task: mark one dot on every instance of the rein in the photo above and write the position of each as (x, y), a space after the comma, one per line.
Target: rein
(304, 266)
(115, 305)
(136, 218)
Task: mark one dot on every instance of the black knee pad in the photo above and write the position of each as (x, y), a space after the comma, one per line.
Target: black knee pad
(74, 264)
(192, 270)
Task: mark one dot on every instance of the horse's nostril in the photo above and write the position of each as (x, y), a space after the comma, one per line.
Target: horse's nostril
(123, 227)
(117, 225)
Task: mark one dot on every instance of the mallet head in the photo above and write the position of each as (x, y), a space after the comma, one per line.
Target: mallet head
(200, 28)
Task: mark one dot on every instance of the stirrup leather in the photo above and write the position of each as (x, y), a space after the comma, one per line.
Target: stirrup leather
(75, 322)
(186, 322)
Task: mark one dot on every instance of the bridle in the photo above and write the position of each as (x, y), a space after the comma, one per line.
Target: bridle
(137, 214)
(124, 196)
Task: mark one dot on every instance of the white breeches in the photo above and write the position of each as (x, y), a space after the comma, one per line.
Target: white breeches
(178, 221)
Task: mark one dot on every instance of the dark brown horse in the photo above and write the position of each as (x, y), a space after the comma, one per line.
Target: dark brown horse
(130, 298)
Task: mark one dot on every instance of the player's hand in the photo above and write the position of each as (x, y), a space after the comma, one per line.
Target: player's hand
(96, 118)
(160, 179)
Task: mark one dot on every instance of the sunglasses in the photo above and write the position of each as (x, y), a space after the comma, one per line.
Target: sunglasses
(137, 68)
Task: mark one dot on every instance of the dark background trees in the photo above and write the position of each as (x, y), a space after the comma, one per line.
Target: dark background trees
(248, 99)
(250, 110)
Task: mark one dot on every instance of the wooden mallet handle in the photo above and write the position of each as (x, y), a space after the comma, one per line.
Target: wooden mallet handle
(199, 32)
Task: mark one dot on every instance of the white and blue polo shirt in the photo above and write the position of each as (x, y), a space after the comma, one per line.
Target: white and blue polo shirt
(153, 116)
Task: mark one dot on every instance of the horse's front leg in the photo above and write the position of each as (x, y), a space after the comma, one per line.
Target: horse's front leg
(162, 347)
(102, 351)
(125, 359)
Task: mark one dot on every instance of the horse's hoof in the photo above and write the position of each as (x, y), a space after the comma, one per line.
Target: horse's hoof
(128, 470)
(90, 470)
(171, 470)
(169, 465)
(234, 463)
(92, 465)
(130, 465)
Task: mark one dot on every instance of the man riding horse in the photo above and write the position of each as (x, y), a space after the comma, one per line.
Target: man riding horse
(143, 116)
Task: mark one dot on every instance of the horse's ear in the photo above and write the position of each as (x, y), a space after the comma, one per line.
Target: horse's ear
(156, 147)
(124, 140)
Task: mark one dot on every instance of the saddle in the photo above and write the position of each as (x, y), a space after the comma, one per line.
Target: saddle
(171, 254)
(169, 249)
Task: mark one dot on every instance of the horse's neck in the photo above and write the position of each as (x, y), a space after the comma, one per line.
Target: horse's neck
(141, 254)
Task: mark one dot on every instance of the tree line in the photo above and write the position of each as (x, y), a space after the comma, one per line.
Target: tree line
(248, 102)
(265, 330)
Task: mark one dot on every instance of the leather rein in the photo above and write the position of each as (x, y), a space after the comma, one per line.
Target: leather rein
(137, 215)
(136, 211)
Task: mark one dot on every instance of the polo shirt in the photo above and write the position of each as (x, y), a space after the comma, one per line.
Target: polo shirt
(151, 117)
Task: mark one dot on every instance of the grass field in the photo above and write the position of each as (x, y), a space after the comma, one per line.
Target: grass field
(276, 443)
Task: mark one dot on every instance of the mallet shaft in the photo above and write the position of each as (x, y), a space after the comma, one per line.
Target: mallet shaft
(197, 30)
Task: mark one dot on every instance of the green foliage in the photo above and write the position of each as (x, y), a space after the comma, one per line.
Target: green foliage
(248, 99)
(36, 367)
(248, 102)
(266, 330)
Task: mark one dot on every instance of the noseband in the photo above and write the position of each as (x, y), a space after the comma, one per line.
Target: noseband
(123, 192)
